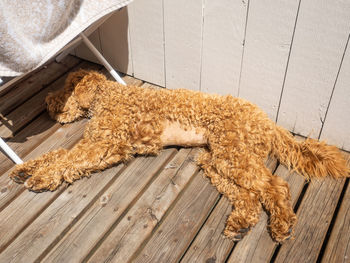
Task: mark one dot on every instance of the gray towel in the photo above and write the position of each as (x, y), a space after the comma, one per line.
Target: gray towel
(31, 32)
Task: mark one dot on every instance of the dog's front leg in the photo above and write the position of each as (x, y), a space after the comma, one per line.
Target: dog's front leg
(50, 170)
(39, 166)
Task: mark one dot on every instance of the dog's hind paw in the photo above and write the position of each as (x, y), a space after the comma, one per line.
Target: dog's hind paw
(236, 235)
(281, 227)
(281, 236)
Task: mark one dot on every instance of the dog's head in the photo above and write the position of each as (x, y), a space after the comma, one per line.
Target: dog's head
(76, 97)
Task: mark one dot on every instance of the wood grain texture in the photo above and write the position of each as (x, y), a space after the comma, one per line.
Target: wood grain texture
(172, 237)
(115, 41)
(267, 44)
(223, 40)
(338, 249)
(138, 223)
(27, 207)
(210, 244)
(32, 243)
(147, 35)
(28, 87)
(321, 33)
(183, 43)
(337, 124)
(314, 216)
(96, 221)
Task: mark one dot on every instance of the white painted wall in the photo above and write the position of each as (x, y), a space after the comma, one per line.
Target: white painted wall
(319, 43)
(267, 44)
(287, 56)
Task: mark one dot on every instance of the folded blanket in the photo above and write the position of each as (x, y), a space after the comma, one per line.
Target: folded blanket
(31, 32)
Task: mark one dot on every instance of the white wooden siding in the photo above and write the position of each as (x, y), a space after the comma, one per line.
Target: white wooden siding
(285, 56)
(267, 44)
(115, 38)
(147, 40)
(320, 36)
(336, 129)
(223, 38)
(183, 43)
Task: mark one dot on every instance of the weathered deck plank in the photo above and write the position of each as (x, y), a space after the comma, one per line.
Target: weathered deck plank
(28, 87)
(138, 223)
(338, 246)
(101, 216)
(314, 216)
(210, 245)
(57, 218)
(172, 238)
(25, 207)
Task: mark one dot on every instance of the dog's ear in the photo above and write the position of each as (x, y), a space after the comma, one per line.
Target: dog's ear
(85, 89)
(74, 78)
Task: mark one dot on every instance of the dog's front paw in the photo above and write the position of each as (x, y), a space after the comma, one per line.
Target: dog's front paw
(43, 183)
(21, 173)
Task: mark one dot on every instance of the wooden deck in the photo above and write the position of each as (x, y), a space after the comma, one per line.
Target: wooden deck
(151, 209)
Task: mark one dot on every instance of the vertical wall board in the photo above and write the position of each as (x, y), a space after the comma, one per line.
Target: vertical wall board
(115, 42)
(147, 40)
(183, 42)
(223, 36)
(267, 43)
(318, 45)
(336, 129)
(83, 52)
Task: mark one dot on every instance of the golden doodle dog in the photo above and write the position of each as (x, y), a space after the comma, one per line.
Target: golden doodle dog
(238, 136)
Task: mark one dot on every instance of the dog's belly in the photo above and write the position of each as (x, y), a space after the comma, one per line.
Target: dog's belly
(175, 134)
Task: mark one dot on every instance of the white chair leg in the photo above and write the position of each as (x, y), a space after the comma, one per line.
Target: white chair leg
(102, 59)
(14, 157)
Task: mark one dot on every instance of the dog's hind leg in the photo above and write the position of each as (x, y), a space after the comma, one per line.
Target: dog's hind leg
(246, 205)
(70, 165)
(249, 172)
(273, 193)
(245, 214)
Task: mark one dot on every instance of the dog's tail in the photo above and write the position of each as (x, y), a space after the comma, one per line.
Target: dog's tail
(310, 158)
